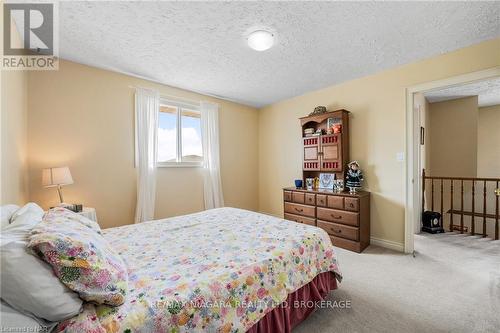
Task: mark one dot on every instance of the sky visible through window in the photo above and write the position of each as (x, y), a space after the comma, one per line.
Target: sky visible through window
(167, 136)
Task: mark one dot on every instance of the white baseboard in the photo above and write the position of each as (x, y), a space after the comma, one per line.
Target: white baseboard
(400, 247)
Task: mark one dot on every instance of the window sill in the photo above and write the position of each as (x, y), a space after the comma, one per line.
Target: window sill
(180, 165)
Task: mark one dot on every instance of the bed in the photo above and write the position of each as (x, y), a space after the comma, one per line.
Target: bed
(221, 270)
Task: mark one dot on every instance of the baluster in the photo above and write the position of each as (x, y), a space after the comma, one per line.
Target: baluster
(472, 225)
(496, 211)
(462, 206)
(484, 209)
(442, 217)
(432, 194)
(451, 206)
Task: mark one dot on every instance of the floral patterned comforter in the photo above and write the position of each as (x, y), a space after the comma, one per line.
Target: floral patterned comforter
(220, 270)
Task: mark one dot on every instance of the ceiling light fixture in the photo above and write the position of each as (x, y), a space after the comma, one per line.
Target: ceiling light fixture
(260, 40)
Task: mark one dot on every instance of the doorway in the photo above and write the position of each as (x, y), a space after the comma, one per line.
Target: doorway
(415, 157)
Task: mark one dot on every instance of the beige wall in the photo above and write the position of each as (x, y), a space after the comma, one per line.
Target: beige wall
(14, 134)
(83, 117)
(13, 182)
(453, 133)
(378, 105)
(488, 142)
(454, 137)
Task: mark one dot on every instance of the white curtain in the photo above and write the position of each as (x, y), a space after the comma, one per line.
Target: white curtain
(212, 185)
(147, 103)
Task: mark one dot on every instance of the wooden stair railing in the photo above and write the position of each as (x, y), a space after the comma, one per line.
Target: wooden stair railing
(473, 214)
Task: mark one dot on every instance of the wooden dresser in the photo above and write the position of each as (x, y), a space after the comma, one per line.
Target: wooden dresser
(345, 217)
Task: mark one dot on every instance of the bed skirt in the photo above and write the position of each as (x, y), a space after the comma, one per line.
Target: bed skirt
(297, 307)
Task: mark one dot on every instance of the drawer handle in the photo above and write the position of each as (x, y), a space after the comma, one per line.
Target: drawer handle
(310, 199)
(336, 231)
(351, 205)
(299, 210)
(336, 217)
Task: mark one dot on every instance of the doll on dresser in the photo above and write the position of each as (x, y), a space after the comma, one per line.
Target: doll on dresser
(354, 177)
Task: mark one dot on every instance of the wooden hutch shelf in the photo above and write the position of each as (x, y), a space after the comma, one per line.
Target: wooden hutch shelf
(344, 216)
(325, 152)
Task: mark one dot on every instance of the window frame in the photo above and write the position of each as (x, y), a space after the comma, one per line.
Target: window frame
(180, 106)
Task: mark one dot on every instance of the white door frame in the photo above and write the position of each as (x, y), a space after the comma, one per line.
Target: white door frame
(412, 181)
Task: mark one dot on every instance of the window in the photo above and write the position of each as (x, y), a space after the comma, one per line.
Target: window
(179, 135)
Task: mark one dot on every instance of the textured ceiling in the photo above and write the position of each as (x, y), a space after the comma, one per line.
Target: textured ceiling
(200, 46)
(488, 92)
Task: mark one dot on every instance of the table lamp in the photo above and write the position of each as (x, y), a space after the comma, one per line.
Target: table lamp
(59, 177)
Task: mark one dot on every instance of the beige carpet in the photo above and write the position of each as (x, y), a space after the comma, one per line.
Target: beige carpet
(452, 285)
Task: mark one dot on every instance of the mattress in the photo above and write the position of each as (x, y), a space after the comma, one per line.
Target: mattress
(220, 270)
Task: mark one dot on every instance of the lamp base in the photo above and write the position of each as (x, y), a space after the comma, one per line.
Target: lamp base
(59, 191)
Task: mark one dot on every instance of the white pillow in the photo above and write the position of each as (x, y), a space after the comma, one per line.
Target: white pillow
(6, 212)
(31, 208)
(14, 321)
(21, 223)
(30, 285)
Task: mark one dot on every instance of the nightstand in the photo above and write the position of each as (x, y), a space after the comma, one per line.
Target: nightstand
(89, 213)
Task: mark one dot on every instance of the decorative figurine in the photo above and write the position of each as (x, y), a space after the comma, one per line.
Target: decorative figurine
(309, 183)
(318, 110)
(339, 185)
(316, 183)
(354, 177)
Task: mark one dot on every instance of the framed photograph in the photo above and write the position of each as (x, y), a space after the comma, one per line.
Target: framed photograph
(330, 122)
(309, 183)
(326, 180)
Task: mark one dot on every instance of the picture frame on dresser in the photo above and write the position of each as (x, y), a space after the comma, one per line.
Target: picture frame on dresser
(327, 181)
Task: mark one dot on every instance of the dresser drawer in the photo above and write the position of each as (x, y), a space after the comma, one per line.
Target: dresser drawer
(300, 209)
(321, 200)
(336, 202)
(340, 230)
(346, 244)
(298, 197)
(338, 216)
(300, 219)
(310, 199)
(287, 195)
(351, 204)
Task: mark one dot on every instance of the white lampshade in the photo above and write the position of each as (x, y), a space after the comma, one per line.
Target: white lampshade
(56, 176)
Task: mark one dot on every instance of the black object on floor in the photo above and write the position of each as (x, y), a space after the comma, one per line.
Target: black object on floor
(431, 222)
